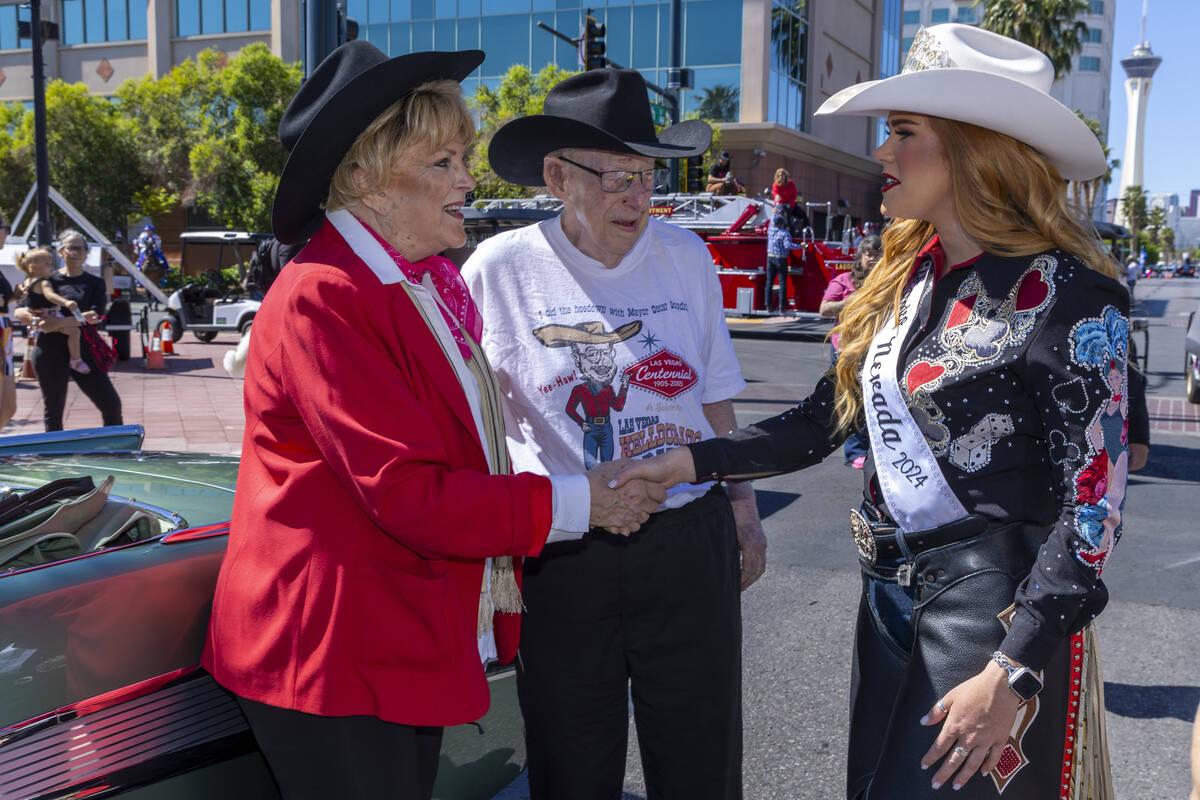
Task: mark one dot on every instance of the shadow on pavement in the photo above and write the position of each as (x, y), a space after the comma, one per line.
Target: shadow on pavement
(770, 502)
(174, 364)
(1152, 702)
(1168, 461)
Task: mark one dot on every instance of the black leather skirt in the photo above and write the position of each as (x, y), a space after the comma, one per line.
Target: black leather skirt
(961, 593)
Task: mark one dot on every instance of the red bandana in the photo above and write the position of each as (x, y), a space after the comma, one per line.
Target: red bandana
(463, 313)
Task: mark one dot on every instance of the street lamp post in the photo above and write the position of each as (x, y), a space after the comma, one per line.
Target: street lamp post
(41, 158)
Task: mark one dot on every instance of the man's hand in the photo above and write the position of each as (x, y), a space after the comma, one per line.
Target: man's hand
(751, 539)
(585, 426)
(623, 509)
(672, 467)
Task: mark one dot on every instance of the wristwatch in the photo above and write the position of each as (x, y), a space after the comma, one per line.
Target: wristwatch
(1022, 680)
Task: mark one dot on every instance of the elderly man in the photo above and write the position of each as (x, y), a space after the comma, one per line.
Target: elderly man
(608, 336)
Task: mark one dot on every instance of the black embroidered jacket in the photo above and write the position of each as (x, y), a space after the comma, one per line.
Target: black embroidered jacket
(1016, 372)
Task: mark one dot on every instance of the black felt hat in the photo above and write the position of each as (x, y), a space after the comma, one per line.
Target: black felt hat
(601, 109)
(347, 91)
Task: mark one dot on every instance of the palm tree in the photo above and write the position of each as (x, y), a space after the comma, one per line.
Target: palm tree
(1052, 26)
(1085, 192)
(1133, 203)
(719, 103)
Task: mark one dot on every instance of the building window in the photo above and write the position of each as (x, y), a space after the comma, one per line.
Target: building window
(102, 21)
(788, 82)
(1089, 64)
(940, 15)
(8, 27)
(1095, 35)
(1098, 7)
(912, 17)
(193, 17)
(966, 15)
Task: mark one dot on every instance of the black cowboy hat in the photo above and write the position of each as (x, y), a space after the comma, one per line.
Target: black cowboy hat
(601, 109)
(347, 91)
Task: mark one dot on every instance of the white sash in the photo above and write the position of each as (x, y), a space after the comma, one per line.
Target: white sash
(914, 488)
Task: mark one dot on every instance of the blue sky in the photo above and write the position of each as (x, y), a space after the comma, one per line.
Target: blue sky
(1171, 153)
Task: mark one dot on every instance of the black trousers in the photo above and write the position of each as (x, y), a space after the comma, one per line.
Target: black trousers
(912, 646)
(52, 362)
(776, 266)
(344, 757)
(656, 615)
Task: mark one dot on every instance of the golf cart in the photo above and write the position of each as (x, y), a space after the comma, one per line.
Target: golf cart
(211, 306)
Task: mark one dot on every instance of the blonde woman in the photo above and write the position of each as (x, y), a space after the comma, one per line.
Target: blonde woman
(985, 355)
(783, 190)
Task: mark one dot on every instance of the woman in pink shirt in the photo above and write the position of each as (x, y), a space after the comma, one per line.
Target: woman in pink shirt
(836, 293)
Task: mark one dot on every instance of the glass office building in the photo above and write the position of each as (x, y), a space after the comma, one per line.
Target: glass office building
(637, 36)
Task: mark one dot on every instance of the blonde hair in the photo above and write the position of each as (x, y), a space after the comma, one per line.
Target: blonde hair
(781, 175)
(1010, 201)
(432, 115)
(24, 260)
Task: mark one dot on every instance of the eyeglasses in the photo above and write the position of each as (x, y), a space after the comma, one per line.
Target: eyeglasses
(618, 180)
(74, 248)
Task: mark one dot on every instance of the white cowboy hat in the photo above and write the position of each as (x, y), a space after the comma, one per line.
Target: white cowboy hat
(969, 74)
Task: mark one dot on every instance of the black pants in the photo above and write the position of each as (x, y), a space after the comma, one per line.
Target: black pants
(658, 612)
(914, 644)
(776, 265)
(52, 362)
(344, 757)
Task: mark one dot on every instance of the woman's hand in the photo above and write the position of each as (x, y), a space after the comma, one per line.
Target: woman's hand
(978, 716)
(621, 509)
(92, 317)
(51, 323)
(669, 469)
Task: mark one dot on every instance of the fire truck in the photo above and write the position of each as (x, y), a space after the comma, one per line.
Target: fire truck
(735, 230)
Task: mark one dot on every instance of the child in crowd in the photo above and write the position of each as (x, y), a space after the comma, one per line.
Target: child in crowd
(38, 264)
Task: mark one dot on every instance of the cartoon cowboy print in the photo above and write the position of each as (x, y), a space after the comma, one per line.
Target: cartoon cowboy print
(595, 360)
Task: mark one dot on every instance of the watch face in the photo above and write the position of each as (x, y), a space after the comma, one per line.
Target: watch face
(1025, 684)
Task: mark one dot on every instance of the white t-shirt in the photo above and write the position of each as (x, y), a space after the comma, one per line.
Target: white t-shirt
(598, 364)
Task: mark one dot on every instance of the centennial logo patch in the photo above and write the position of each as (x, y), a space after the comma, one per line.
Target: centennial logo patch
(663, 373)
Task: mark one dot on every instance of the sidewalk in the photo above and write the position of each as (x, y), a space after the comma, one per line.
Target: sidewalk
(192, 406)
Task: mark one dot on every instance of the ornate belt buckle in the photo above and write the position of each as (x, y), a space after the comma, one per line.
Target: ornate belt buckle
(864, 540)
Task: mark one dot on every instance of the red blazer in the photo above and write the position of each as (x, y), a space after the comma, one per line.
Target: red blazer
(364, 509)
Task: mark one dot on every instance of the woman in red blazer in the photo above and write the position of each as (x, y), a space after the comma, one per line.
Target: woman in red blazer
(370, 569)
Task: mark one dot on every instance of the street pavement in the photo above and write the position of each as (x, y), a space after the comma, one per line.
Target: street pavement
(191, 406)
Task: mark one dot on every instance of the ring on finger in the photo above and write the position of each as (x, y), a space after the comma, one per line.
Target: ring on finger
(942, 706)
(961, 752)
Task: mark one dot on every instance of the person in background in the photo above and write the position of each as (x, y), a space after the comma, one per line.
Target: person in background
(986, 355)
(8, 375)
(1133, 268)
(720, 177)
(374, 551)
(833, 301)
(779, 250)
(607, 310)
(783, 192)
(38, 265)
(50, 355)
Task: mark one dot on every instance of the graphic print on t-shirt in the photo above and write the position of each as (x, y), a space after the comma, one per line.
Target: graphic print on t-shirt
(593, 399)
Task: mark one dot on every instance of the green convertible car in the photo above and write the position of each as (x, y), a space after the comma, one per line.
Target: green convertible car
(108, 559)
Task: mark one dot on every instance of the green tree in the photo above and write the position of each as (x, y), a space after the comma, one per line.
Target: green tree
(1133, 206)
(93, 158)
(521, 92)
(16, 160)
(1085, 193)
(207, 130)
(719, 103)
(1052, 26)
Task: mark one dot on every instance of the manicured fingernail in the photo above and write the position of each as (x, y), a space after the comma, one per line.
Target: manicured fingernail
(957, 786)
(936, 785)
(612, 484)
(924, 766)
(925, 720)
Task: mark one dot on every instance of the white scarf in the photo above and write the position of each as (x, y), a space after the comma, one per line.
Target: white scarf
(913, 485)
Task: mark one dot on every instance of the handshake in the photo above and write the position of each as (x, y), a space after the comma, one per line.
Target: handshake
(625, 492)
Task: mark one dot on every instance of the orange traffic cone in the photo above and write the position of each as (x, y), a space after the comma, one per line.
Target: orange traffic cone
(168, 336)
(154, 356)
